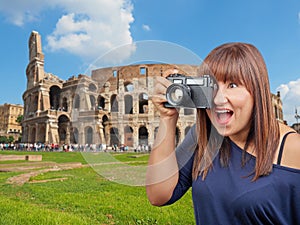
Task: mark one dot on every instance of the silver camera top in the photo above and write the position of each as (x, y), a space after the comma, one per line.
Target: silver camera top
(190, 92)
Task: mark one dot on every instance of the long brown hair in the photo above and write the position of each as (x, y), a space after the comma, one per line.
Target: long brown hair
(243, 63)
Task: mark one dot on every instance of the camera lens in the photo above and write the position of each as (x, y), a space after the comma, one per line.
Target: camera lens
(176, 93)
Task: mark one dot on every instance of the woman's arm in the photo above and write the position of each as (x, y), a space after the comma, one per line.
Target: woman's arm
(291, 151)
(162, 171)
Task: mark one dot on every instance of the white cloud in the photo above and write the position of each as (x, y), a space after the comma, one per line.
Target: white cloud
(146, 27)
(88, 28)
(290, 96)
(21, 12)
(92, 27)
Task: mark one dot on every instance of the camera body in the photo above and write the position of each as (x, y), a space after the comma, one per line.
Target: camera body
(190, 92)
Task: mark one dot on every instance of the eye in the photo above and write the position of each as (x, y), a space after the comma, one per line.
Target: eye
(232, 85)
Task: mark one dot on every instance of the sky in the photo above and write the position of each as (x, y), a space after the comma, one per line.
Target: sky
(76, 33)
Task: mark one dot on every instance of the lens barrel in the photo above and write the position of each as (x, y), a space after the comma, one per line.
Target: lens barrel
(177, 94)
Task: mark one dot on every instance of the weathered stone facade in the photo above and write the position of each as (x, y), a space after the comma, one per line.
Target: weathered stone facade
(9, 126)
(296, 127)
(110, 107)
(277, 106)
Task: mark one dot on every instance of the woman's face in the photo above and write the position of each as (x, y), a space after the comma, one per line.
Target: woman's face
(232, 111)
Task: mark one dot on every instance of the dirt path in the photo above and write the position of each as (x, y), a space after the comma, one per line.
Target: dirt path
(34, 169)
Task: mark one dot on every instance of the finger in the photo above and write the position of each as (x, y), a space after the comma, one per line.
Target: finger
(162, 81)
(160, 89)
(159, 98)
(170, 71)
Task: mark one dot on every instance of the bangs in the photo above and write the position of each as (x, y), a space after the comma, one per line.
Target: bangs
(230, 65)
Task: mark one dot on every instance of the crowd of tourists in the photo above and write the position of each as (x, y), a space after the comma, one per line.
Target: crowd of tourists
(72, 147)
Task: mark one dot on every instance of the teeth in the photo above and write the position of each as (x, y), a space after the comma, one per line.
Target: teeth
(223, 111)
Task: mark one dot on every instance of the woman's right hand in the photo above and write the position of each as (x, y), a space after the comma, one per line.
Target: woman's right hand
(159, 95)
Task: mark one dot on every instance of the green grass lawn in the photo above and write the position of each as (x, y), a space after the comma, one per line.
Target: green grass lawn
(82, 196)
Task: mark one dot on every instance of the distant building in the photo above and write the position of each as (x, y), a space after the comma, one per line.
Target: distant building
(296, 127)
(8, 120)
(277, 106)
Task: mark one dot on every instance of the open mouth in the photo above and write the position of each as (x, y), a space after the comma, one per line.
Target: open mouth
(223, 115)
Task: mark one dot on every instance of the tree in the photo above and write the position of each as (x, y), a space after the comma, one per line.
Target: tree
(20, 119)
(10, 139)
(3, 139)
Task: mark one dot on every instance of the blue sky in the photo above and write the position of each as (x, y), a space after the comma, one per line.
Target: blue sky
(74, 33)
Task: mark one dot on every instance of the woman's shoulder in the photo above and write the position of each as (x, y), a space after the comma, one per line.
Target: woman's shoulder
(285, 129)
(291, 150)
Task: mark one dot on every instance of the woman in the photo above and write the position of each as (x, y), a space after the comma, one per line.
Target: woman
(254, 177)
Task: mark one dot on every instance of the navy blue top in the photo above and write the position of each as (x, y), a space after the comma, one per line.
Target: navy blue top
(228, 196)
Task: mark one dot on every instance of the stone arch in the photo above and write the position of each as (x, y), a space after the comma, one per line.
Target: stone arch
(35, 103)
(128, 136)
(128, 86)
(143, 103)
(54, 96)
(105, 125)
(114, 136)
(100, 102)
(105, 121)
(92, 87)
(62, 135)
(88, 135)
(114, 104)
(63, 129)
(32, 135)
(143, 135)
(65, 104)
(128, 101)
(41, 104)
(93, 101)
(63, 118)
(41, 135)
(75, 136)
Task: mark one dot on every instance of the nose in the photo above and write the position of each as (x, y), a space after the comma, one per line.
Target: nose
(220, 97)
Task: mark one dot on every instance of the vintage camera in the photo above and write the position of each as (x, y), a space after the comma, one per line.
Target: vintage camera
(190, 92)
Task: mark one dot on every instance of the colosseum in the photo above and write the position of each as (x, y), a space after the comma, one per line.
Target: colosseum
(109, 107)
